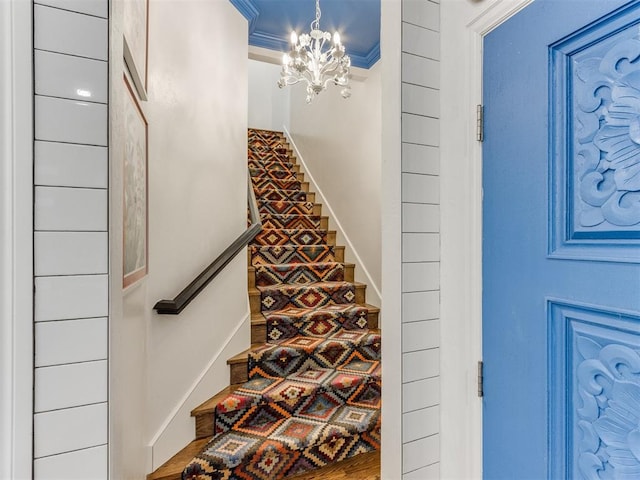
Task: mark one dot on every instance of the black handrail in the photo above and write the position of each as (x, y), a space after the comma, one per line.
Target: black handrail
(191, 291)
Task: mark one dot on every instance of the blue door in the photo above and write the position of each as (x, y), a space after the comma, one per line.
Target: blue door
(561, 242)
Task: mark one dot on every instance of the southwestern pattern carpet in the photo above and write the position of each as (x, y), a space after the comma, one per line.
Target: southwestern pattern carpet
(314, 388)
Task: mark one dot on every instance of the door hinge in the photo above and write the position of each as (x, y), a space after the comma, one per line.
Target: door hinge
(480, 378)
(479, 123)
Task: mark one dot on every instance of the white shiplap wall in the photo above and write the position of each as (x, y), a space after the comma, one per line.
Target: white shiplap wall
(70, 239)
(420, 239)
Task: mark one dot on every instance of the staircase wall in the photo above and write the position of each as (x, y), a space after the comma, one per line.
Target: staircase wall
(197, 116)
(339, 142)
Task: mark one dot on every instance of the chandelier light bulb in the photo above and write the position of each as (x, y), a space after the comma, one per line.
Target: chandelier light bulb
(317, 61)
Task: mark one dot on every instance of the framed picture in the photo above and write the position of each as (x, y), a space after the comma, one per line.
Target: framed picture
(135, 196)
(135, 41)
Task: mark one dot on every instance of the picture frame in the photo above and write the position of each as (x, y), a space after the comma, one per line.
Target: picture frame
(136, 43)
(135, 222)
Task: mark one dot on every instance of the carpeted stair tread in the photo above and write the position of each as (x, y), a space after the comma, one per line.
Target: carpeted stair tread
(312, 295)
(268, 193)
(294, 394)
(272, 163)
(302, 353)
(290, 221)
(288, 254)
(277, 183)
(319, 323)
(295, 236)
(298, 273)
(283, 207)
(260, 173)
(292, 445)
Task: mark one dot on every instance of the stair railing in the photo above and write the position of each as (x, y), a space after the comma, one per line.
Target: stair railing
(191, 291)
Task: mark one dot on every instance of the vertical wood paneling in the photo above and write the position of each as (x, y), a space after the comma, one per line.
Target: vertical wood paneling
(420, 238)
(71, 248)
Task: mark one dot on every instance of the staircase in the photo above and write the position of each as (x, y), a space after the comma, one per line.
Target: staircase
(307, 393)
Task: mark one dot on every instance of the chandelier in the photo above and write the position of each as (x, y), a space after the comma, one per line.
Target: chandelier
(317, 60)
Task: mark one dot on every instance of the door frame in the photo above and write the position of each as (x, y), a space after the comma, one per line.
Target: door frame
(463, 26)
(16, 240)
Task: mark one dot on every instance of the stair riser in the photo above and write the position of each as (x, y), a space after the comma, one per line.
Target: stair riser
(260, 173)
(274, 164)
(280, 299)
(276, 184)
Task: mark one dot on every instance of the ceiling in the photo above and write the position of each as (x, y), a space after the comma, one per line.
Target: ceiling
(358, 21)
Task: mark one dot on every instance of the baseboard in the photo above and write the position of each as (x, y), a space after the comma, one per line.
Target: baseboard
(376, 298)
(178, 428)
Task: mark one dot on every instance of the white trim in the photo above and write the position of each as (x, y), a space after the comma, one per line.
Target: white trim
(182, 403)
(360, 264)
(391, 237)
(463, 25)
(16, 240)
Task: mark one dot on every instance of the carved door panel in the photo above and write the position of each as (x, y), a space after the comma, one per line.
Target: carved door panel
(561, 242)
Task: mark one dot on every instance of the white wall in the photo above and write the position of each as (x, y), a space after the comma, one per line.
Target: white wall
(70, 240)
(420, 239)
(268, 104)
(339, 142)
(197, 112)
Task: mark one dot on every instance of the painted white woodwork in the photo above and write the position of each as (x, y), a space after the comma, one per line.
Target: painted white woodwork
(70, 341)
(423, 159)
(391, 243)
(421, 364)
(70, 429)
(420, 394)
(64, 386)
(421, 130)
(60, 31)
(420, 237)
(418, 306)
(16, 232)
(420, 218)
(422, 275)
(463, 24)
(420, 335)
(69, 165)
(66, 76)
(420, 453)
(420, 247)
(431, 472)
(70, 121)
(70, 253)
(422, 13)
(98, 8)
(417, 188)
(420, 100)
(77, 296)
(420, 423)
(420, 71)
(420, 41)
(88, 464)
(74, 209)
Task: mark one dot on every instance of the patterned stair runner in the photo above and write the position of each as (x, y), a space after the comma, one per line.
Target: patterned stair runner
(313, 394)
